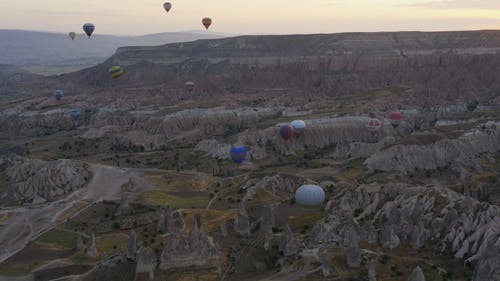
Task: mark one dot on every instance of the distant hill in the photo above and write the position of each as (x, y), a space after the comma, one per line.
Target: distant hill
(30, 48)
(458, 65)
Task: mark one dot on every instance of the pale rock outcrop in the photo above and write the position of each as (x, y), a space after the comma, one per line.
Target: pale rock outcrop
(35, 181)
(372, 275)
(131, 250)
(79, 242)
(96, 133)
(420, 215)
(418, 236)
(456, 154)
(289, 244)
(353, 256)
(146, 262)
(267, 224)
(242, 222)
(91, 248)
(321, 133)
(281, 188)
(161, 226)
(166, 222)
(324, 259)
(197, 250)
(124, 208)
(488, 267)
(417, 275)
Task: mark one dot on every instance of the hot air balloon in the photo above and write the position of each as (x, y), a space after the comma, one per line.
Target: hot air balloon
(286, 132)
(58, 94)
(115, 71)
(189, 86)
(167, 6)
(395, 118)
(299, 127)
(75, 114)
(72, 35)
(373, 126)
(206, 22)
(310, 195)
(89, 29)
(238, 154)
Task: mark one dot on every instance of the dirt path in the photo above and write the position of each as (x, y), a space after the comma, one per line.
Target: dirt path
(26, 224)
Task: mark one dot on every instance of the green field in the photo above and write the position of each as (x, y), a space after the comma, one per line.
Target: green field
(58, 238)
(162, 198)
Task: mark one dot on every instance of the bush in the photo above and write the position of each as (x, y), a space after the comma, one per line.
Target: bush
(358, 212)
(384, 259)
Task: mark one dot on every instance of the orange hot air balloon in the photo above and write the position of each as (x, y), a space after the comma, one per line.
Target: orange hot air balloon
(206, 22)
(189, 86)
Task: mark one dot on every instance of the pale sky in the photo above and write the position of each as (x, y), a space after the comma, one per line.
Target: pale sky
(132, 17)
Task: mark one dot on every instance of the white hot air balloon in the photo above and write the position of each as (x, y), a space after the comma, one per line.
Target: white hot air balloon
(299, 127)
(310, 195)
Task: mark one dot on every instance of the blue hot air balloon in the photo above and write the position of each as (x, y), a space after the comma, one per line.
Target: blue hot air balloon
(58, 94)
(75, 114)
(238, 154)
(310, 195)
(89, 29)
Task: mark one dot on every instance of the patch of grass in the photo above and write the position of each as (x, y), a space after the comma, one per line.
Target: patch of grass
(305, 221)
(17, 268)
(161, 198)
(58, 238)
(111, 243)
(4, 218)
(81, 258)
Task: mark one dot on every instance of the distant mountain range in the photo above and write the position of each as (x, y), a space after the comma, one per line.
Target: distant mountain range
(31, 48)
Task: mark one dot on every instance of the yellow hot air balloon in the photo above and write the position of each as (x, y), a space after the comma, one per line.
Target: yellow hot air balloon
(115, 72)
(206, 22)
(72, 35)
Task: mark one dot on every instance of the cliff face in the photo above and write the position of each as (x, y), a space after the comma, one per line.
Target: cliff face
(457, 154)
(36, 181)
(437, 65)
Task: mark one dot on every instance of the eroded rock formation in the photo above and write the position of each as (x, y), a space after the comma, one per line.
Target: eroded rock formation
(34, 181)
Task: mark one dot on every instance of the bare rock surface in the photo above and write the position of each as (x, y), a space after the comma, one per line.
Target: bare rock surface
(453, 153)
(198, 249)
(35, 181)
(242, 222)
(146, 262)
(417, 275)
(131, 250)
(419, 215)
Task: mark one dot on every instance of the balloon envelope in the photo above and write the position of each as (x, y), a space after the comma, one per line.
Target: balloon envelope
(89, 29)
(299, 127)
(373, 126)
(189, 86)
(167, 6)
(72, 35)
(206, 22)
(75, 114)
(115, 72)
(238, 154)
(286, 132)
(58, 94)
(396, 116)
(310, 195)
